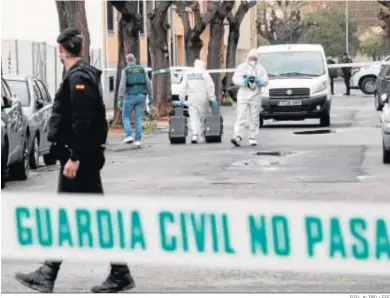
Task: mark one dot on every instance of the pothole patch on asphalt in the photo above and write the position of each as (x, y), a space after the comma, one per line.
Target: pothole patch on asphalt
(314, 132)
(273, 153)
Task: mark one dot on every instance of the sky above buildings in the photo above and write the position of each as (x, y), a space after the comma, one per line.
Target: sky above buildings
(37, 20)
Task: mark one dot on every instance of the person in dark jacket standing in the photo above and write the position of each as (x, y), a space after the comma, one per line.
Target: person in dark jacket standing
(347, 72)
(332, 73)
(78, 131)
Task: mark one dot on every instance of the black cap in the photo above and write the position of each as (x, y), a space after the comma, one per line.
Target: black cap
(71, 40)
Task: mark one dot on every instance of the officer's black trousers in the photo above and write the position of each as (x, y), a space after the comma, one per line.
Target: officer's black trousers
(87, 180)
(347, 78)
(332, 85)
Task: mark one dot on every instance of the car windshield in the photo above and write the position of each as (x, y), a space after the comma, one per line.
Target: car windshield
(20, 89)
(176, 76)
(293, 63)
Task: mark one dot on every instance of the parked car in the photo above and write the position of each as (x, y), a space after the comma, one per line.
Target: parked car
(14, 137)
(37, 106)
(364, 78)
(382, 87)
(385, 121)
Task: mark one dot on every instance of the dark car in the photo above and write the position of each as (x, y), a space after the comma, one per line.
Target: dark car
(14, 137)
(382, 87)
(37, 106)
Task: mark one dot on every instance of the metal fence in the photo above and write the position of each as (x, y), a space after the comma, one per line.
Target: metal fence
(21, 57)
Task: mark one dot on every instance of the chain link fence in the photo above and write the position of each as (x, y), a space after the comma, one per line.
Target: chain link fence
(21, 57)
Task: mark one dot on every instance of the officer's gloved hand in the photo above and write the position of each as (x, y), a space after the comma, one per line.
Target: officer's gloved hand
(179, 103)
(214, 102)
(257, 81)
(120, 104)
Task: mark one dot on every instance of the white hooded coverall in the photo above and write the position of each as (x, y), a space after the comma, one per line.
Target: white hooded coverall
(248, 101)
(198, 85)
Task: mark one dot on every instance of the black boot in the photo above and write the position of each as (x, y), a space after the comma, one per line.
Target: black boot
(118, 280)
(41, 280)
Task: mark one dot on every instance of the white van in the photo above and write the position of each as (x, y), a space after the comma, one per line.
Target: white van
(299, 85)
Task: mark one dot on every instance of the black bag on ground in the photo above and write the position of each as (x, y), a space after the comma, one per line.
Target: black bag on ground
(213, 126)
(178, 128)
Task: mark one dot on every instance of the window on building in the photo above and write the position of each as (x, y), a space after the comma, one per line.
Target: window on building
(110, 17)
(140, 4)
(111, 84)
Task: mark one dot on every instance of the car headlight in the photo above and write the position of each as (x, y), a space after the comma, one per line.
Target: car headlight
(384, 98)
(264, 92)
(321, 87)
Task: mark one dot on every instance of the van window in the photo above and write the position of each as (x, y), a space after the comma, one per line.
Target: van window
(294, 63)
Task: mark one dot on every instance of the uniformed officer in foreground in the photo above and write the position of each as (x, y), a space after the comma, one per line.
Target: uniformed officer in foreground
(78, 131)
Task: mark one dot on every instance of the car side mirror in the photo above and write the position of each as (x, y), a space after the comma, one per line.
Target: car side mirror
(7, 103)
(39, 104)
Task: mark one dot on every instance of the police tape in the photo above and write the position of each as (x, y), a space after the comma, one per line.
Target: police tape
(228, 70)
(282, 235)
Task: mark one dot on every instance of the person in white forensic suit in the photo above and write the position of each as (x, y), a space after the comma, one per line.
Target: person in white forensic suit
(250, 76)
(199, 88)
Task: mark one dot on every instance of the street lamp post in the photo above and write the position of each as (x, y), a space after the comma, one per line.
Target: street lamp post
(346, 27)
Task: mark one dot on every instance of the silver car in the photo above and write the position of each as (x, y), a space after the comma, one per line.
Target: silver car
(14, 137)
(385, 120)
(37, 106)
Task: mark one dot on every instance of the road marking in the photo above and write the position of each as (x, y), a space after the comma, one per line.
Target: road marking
(306, 236)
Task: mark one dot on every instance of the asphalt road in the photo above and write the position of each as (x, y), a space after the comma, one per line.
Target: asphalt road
(343, 165)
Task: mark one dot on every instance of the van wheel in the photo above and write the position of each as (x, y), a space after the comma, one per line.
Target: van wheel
(325, 119)
(49, 160)
(21, 169)
(34, 154)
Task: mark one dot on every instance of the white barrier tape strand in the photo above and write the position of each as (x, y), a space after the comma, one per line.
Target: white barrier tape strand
(227, 70)
(283, 235)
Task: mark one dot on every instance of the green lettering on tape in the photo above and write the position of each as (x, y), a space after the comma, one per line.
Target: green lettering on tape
(24, 233)
(83, 220)
(64, 231)
(336, 239)
(104, 223)
(382, 240)
(167, 243)
(281, 235)
(137, 233)
(258, 235)
(314, 234)
(360, 249)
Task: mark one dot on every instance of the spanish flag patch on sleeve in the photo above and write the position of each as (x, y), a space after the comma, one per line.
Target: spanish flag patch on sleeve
(80, 87)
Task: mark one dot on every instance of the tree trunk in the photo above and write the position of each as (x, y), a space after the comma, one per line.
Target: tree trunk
(73, 14)
(159, 54)
(234, 37)
(217, 33)
(129, 25)
(193, 42)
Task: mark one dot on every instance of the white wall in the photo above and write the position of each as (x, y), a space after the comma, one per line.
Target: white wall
(37, 20)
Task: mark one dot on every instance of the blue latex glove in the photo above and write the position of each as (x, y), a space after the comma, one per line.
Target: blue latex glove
(258, 81)
(120, 104)
(179, 103)
(214, 102)
(246, 80)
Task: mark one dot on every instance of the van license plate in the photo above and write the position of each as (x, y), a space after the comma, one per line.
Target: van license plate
(289, 103)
